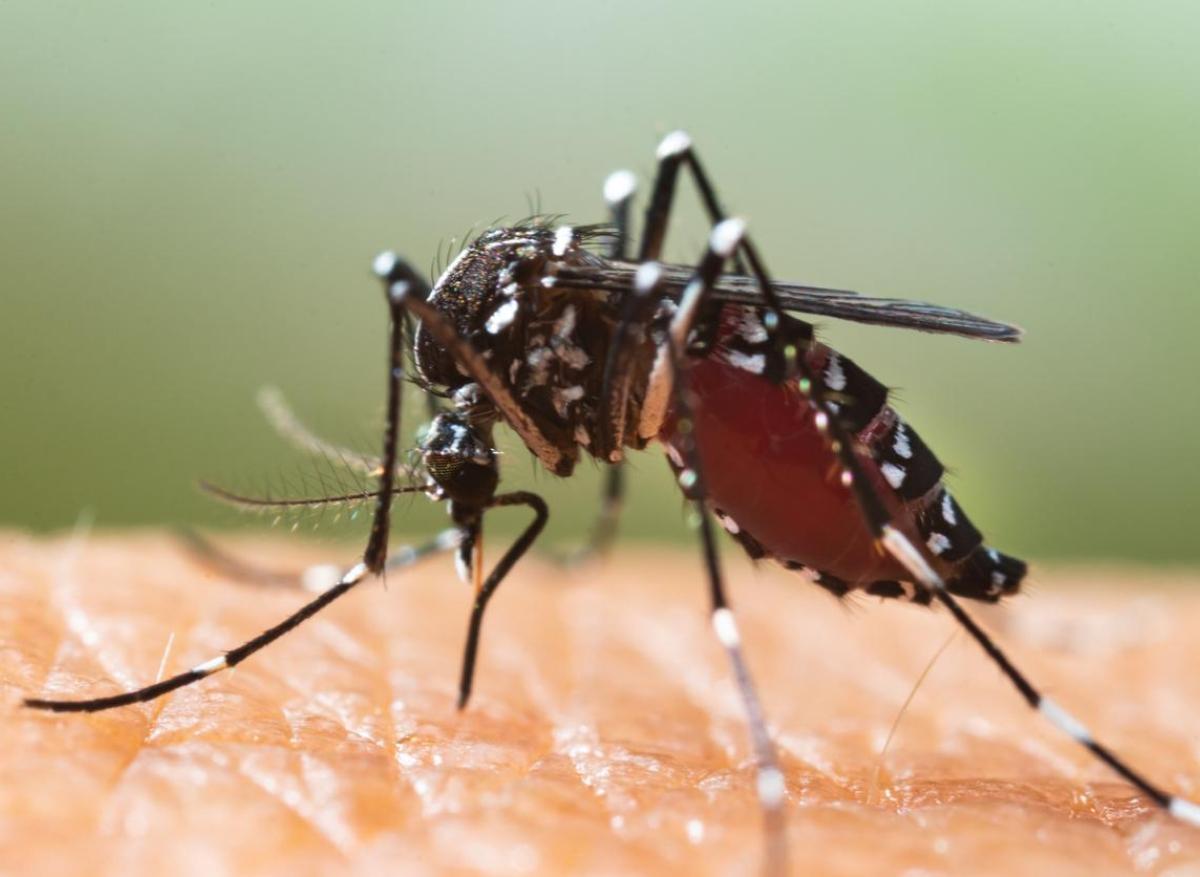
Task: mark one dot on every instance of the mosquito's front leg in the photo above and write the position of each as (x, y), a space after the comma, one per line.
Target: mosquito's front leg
(399, 281)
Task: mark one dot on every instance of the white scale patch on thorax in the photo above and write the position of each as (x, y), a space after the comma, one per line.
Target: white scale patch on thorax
(502, 317)
(835, 375)
(750, 327)
(563, 397)
(563, 237)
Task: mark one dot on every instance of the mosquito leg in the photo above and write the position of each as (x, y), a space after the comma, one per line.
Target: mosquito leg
(770, 782)
(889, 537)
(314, 579)
(675, 151)
(398, 280)
(604, 530)
(405, 558)
(502, 568)
(401, 284)
(619, 189)
(904, 551)
(217, 560)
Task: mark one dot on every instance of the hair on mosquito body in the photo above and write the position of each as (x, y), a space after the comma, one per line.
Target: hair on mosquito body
(585, 345)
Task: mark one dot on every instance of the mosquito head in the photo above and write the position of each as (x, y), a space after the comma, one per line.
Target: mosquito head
(459, 457)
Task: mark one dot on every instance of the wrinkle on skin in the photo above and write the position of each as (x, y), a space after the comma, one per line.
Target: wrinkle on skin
(604, 735)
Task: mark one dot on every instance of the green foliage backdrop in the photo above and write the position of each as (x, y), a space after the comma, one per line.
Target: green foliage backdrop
(192, 193)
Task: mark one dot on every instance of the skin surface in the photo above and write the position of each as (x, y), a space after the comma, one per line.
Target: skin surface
(604, 735)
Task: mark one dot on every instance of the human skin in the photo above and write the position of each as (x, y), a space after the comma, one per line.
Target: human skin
(604, 735)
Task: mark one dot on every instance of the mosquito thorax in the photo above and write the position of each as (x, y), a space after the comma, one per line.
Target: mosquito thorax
(548, 344)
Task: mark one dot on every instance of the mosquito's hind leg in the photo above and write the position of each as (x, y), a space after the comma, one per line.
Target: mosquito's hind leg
(619, 189)
(201, 550)
(771, 787)
(677, 150)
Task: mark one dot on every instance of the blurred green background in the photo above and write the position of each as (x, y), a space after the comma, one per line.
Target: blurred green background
(192, 194)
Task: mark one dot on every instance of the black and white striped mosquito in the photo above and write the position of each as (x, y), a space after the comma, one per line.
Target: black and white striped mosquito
(580, 347)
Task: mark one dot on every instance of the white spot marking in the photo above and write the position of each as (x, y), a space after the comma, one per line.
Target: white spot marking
(563, 397)
(821, 419)
(502, 317)
(574, 357)
(564, 326)
(726, 629)
(563, 236)
(902, 446)
(894, 474)
(938, 542)
(1186, 810)
(730, 525)
(619, 186)
(1063, 720)
(751, 328)
(999, 579)
(210, 667)
(899, 546)
(675, 456)
(462, 566)
(675, 143)
(695, 831)
(847, 478)
(384, 263)
(726, 236)
(648, 274)
(948, 509)
(354, 574)
(835, 376)
(771, 788)
(754, 363)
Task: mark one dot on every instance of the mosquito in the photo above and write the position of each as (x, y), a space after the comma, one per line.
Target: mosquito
(580, 346)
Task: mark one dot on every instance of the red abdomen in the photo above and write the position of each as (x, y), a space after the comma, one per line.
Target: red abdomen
(770, 474)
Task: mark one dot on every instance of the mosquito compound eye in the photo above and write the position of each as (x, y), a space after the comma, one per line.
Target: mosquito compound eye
(443, 468)
(460, 460)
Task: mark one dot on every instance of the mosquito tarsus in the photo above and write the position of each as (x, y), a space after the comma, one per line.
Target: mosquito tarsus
(579, 346)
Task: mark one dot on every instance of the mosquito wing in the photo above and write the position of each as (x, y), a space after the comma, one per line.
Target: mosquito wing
(842, 304)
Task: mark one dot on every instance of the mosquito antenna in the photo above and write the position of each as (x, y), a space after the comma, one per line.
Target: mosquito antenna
(258, 502)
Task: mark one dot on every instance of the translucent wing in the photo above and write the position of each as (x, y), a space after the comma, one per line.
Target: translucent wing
(839, 303)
